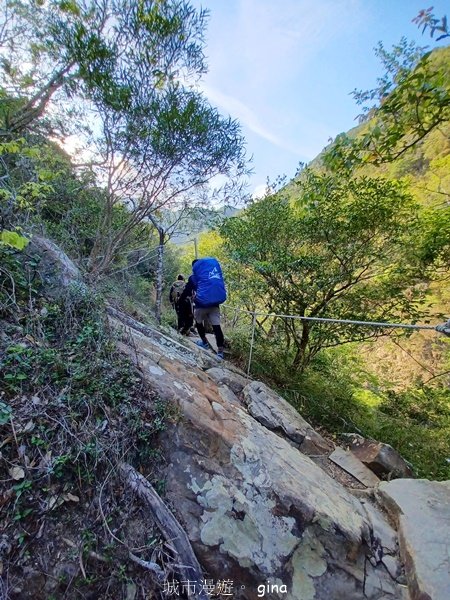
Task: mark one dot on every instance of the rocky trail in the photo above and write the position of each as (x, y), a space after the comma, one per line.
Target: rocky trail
(271, 506)
(254, 501)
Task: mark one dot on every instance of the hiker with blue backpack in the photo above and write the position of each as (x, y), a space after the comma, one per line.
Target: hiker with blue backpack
(208, 285)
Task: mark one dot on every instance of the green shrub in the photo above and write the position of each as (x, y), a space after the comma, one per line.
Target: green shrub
(416, 422)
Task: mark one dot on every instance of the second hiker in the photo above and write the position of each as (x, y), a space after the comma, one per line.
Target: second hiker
(182, 306)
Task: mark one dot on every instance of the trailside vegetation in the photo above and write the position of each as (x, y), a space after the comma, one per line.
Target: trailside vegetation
(341, 250)
(362, 233)
(71, 408)
(122, 76)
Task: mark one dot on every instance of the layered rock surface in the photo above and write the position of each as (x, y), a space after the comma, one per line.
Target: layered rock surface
(257, 509)
(421, 510)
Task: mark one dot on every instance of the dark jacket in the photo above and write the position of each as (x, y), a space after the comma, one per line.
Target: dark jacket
(176, 291)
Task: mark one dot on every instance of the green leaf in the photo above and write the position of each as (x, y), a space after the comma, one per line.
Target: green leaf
(13, 239)
(5, 413)
(69, 6)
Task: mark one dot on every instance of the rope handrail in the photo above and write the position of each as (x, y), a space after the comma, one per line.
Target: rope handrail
(441, 328)
(329, 320)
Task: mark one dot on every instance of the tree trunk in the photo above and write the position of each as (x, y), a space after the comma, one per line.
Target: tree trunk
(299, 362)
(159, 275)
(188, 565)
(37, 105)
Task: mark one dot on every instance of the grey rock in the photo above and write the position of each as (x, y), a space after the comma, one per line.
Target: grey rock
(376, 580)
(234, 381)
(57, 271)
(254, 507)
(275, 413)
(348, 461)
(392, 565)
(382, 533)
(380, 458)
(421, 508)
(229, 396)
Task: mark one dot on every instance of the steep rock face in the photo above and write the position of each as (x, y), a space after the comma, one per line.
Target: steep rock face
(421, 509)
(256, 509)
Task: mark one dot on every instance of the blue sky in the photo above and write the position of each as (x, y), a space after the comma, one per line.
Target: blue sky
(285, 69)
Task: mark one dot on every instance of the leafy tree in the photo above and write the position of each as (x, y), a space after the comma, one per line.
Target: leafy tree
(411, 100)
(427, 19)
(132, 64)
(24, 184)
(406, 113)
(86, 50)
(159, 157)
(343, 249)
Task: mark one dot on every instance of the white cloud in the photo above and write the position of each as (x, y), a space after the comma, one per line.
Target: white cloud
(260, 191)
(262, 42)
(314, 134)
(258, 51)
(246, 116)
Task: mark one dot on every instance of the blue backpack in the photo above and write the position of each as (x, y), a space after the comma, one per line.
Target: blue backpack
(208, 279)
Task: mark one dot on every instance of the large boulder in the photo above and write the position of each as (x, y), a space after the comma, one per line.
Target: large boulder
(421, 511)
(257, 511)
(276, 414)
(380, 458)
(57, 271)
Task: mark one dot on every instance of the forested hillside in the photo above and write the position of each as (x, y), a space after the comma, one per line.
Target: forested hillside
(362, 233)
(425, 168)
